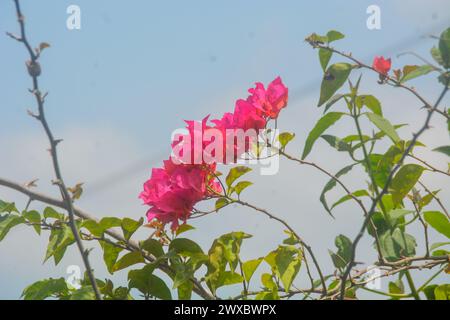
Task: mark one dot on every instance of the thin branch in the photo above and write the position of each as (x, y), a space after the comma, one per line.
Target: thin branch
(130, 244)
(34, 72)
(360, 64)
(302, 242)
(385, 189)
(435, 197)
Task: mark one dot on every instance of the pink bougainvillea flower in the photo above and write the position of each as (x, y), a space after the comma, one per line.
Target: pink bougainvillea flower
(269, 102)
(382, 65)
(172, 191)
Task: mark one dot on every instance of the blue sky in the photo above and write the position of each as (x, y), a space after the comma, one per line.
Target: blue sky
(119, 86)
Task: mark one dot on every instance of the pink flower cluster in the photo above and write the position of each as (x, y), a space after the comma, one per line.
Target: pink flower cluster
(174, 190)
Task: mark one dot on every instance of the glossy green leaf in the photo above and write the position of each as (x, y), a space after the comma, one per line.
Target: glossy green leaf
(249, 268)
(220, 203)
(284, 138)
(110, 255)
(417, 72)
(146, 282)
(442, 292)
(7, 222)
(235, 173)
(324, 58)
(34, 218)
(384, 125)
(438, 221)
(285, 262)
(321, 126)
(444, 149)
(184, 228)
(444, 47)
(129, 259)
(153, 247)
(333, 79)
(44, 289)
(331, 184)
(358, 194)
(129, 226)
(370, 102)
(241, 185)
(185, 247)
(404, 181)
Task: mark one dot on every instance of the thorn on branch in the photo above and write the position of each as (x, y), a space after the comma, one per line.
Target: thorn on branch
(34, 115)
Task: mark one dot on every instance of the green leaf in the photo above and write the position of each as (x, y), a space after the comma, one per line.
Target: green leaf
(184, 228)
(337, 143)
(110, 255)
(146, 282)
(438, 221)
(358, 193)
(284, 138)
(185, 290)
(323, 124)
(396, 287)
(396, 214)
(110, 222)
(249, 268)
(444, 48)
(35, 218)
(129, 226)
(370, 102)
(58, 242)
(442, 292)
(324, 58)
(332, 101)
(7, 222)
(285, 263)
(333, 79)
(235, 173)
(334, 35)
(84, 293)
(44, 289)
(240, 186)
(228, 278)
(397, 245)
(153, 247)
(342, 257)
(429, 291)
(404, 181)
(438, 245)
(93, 227)
(185, 247)
(436, 54)
(444, 149)
(416, 72)
(49, 212)
(8, 207)
(220, 203)
(384, 125)
(331, 184)
(129, 259)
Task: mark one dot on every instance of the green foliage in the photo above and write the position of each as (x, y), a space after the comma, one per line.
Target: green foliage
(331, 184)
(334, 77)
(285, 262)
(404, 181)
(46, 288)
(342, 257)
(148, 284)
(438, 221)
(384, 125)
(321, 126)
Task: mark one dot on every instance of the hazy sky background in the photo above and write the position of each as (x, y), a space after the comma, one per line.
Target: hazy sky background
(119, 86)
